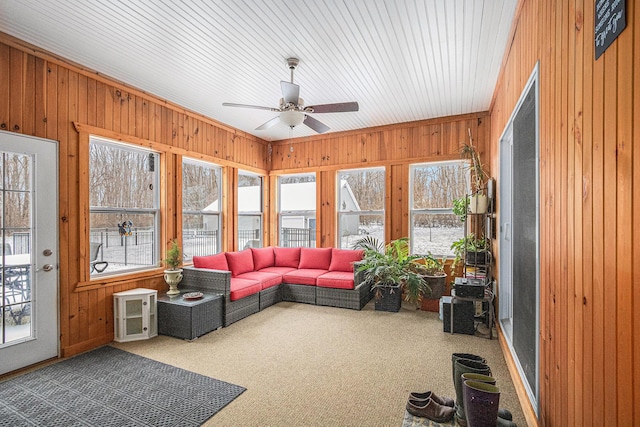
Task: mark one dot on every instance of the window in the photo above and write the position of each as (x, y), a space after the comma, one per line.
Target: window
(297, 207)
(124, 208)
(249, 210)
(201, 208)
(360, 205)
(433, 187)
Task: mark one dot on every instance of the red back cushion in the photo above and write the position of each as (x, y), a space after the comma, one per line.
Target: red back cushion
(287, 257)
(240, 262)
(214, 262)
(319, 258)
(343, 259)
(263, 258)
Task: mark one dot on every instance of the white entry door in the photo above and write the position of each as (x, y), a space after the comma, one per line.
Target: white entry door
(28, 250)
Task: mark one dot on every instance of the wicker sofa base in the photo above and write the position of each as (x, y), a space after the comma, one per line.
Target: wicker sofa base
(270, 296)
(239, 309)
(343, 298)
(218, 281)
(299, 293)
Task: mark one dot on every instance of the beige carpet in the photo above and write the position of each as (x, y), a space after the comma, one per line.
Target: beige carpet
(306, 365)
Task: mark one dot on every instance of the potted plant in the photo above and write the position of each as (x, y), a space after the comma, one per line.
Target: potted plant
(390, 270)
(478, 200)
(173, 274)
(435, 277)
(461, 207)
(475, 248)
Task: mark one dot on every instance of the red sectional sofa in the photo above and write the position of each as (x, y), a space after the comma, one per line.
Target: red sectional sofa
(254, 279)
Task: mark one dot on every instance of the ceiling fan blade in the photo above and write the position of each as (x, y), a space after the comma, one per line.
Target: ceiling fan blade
(269, 124)
(257, 107)
(290, 92)
(334, 108)
(315, 124)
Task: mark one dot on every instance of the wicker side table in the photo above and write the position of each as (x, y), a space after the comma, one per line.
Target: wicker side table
(189, 319)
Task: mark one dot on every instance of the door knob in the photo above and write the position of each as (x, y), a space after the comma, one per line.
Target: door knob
(47, 267)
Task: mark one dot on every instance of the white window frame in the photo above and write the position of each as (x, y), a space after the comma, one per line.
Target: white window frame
(306, 215)
(258, 214)
(349, 213)
(188, 254)
(431, 211)
(155, 210)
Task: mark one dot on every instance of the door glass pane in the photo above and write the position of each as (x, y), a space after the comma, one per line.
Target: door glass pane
(15, 258)
(18, 172)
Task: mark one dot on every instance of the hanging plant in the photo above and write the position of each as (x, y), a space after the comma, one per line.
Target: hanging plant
(478, 174)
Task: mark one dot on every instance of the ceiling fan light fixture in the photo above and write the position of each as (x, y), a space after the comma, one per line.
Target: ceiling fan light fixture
(292, 118)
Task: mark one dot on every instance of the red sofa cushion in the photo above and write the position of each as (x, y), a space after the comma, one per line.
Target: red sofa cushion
(303, 276)
(263, 257)
(278, 270)
(343, 259)
(319, 258)
(241, 288)
(287, 257)
(240, 262)
(214, 262)
(265, 279)
(336, 279)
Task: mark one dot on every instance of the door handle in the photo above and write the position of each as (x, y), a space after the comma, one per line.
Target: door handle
(47, 267)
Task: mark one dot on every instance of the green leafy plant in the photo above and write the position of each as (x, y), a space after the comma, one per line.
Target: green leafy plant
(470, 243)
(174, 256)
(433, 266)
(460, 207)
(391, 266)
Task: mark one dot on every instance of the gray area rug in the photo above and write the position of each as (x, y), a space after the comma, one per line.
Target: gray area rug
(111, 387)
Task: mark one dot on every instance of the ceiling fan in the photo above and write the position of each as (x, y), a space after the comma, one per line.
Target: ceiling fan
(292, 109)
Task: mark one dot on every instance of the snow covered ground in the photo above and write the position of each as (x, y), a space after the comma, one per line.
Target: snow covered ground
(436, 240)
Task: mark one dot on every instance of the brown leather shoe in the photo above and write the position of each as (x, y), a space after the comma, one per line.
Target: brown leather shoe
(444, 401)
(430, 409)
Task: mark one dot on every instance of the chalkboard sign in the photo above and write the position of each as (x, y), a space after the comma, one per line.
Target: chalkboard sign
(610, 20)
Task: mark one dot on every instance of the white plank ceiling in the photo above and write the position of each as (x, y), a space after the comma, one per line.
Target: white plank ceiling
(401, 60)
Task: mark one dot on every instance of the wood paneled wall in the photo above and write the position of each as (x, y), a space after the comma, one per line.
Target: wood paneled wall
(395, 147)
(589, 208)
(44, 96)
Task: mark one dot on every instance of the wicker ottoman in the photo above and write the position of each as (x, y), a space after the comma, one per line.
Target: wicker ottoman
(189, 319)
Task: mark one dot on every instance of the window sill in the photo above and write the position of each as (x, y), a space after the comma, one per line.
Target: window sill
(117, 279)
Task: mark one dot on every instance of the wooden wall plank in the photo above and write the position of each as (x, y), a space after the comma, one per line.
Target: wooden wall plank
(575, 379)
(598, 242)
(29, 118)
(635, 232)
(588, 183)
(16, 91)
(610, 231)
(624, 216)
(5, 62)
